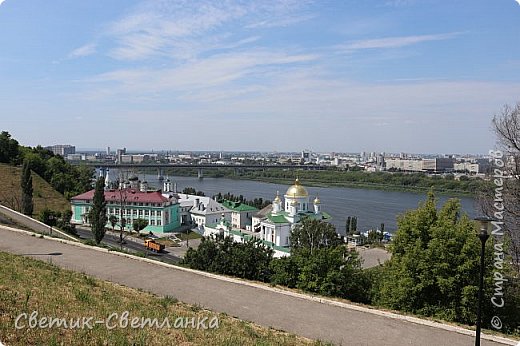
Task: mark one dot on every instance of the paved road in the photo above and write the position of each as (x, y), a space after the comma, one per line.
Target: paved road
(130, 245)
(373, 257)
(307, 318)
(32, 223)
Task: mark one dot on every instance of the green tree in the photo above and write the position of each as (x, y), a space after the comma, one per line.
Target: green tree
(285, 271)
(248, 260)
(64, 222)
(98, 213)
(333, 271)
(205, 256)
(27, 190)
(434, 267)
(312, 235)
(191, 191)
(373, 237)
(113, 221)
(49, 217)
(9, 148)
(348, 226)
(139, 224)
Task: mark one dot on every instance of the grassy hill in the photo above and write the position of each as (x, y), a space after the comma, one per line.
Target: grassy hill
(28, 285)
(44, 196)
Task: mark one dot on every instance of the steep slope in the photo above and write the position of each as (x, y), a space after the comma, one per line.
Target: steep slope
(44, 196)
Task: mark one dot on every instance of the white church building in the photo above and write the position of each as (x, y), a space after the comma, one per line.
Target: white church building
(273, 224)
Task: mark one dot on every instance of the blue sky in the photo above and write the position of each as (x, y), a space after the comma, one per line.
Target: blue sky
(397, 76)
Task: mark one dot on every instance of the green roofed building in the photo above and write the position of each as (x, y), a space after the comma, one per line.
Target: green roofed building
(241, 214)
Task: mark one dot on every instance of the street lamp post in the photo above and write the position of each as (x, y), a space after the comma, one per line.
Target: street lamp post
(483, 235)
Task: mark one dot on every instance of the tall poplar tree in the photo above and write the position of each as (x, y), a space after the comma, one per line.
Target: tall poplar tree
(353, 224)
(98, 213)
(27, 190)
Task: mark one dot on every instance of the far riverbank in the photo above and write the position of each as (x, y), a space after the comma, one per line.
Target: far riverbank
(355, 185)
(385, 181)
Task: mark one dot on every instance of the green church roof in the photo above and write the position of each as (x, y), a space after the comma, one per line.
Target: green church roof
(238, 206)
(277, 218)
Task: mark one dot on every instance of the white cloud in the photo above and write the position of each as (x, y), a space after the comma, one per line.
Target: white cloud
(212, 73)
(280, 22)
(2, 1)
(82, 51)
(397, 42)
(187, 29)
(518, 2)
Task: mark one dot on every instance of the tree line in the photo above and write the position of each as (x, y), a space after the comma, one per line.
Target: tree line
(63, 177)
(258, 203)
(395, 180)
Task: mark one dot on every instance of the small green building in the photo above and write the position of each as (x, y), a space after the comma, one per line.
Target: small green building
(241, 214)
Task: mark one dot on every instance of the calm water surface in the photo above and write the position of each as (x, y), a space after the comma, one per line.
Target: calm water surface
(372, 207)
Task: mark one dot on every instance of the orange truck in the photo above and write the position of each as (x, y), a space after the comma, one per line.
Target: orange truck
(151, 244)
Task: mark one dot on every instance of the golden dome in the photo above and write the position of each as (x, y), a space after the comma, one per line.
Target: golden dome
(317, 200)
(297, 190)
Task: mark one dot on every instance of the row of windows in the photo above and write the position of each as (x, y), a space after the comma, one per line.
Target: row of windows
(135, 212)
(152, 222)
(140, 204)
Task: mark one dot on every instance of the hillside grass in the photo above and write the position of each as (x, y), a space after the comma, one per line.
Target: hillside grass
(28, 285)
(44, 196)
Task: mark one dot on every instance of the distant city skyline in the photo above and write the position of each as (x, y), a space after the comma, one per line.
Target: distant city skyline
(337, 76)
(298, 152)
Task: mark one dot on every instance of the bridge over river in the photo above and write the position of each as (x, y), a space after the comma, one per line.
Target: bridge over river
(200, 166)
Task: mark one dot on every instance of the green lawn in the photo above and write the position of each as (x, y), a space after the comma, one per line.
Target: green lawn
(190, 235)
(28, 285)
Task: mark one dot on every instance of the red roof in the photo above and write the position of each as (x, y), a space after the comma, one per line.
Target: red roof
(132, 195)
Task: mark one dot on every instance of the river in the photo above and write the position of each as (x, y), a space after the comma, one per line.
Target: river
(372, 207)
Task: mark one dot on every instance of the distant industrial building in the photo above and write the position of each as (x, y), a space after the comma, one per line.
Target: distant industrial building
(478, 166)
(119, 155)
(305, 156)
(76, 157)
(62, 150)
(436, 165)
(136, 158)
